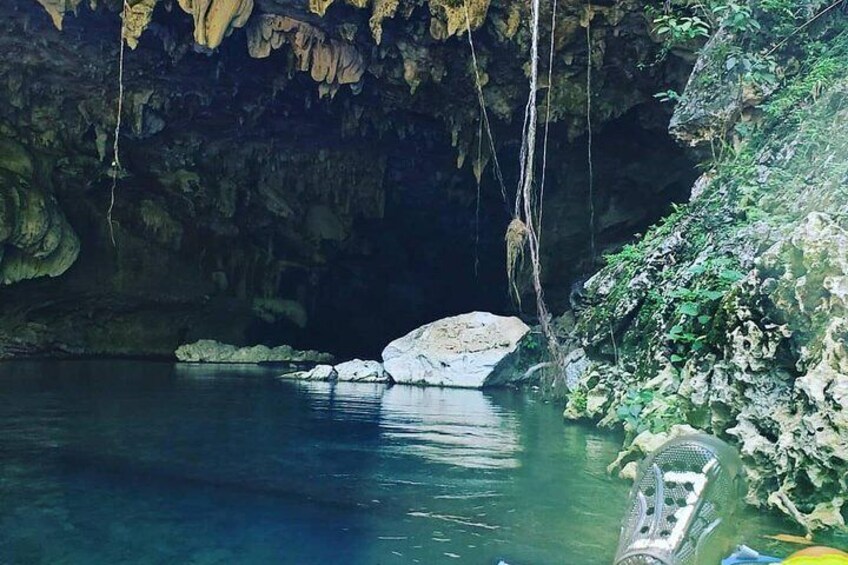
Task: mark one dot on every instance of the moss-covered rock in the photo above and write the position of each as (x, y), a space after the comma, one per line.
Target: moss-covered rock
(731, 314)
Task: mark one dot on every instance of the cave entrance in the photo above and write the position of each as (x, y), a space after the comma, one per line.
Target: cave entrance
(252, 211)
(437, 251)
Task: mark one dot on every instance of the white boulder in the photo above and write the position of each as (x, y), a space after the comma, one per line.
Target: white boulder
(359, 371)
(469, 351)
(355, 371)
(317, 373)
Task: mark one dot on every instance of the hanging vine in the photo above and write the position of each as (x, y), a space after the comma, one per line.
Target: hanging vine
(526, 223)
(116, 156)
(593, 251)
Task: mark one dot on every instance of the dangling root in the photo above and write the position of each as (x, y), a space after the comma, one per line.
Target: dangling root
(524, 229)
(516, 238)
(116, 158)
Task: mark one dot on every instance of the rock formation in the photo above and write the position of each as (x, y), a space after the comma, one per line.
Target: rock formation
(330, 62)
(354, 371)
(58, 8)
(359, 371)
(216, 19)
(731, 314)
(251, 202)
(35, 237)
(467, 351)
(210, 351)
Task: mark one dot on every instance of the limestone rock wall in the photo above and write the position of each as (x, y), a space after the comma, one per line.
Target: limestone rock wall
(730, 315)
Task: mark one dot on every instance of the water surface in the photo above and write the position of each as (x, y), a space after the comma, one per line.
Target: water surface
(129, 462)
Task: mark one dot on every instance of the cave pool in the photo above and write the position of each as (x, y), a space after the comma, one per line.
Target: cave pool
(142, 462)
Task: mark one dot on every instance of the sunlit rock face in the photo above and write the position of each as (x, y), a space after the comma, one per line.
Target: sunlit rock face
(467, 351)
(303, 174)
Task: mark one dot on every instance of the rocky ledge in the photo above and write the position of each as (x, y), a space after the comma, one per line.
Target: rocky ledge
(211, 351)
(732, 314)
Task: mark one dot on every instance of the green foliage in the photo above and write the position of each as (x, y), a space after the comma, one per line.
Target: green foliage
(697, 306)
(736, 17)
(533, 343)
(649, 410)
(627, 254)
(752, 68)
(678, 29)
(822, 70)
(578, 402)
(760, 27)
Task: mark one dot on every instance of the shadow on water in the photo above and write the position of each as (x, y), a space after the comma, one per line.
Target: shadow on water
(128, 462)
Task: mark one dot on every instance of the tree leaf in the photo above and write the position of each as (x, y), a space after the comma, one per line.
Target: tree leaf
(713, 294)
(689, 308)
(732, 275)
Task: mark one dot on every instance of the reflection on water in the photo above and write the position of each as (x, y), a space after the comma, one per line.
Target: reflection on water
(452, 426)
(127, 462)
(458, 427)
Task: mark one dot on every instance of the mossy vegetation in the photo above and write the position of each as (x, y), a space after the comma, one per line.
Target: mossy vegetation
(738, 196)
(719, 316)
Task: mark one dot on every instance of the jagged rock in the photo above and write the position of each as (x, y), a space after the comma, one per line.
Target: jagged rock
(708, 108)
(210, 351)
(381, 10)
(355, 371)
(58, 8)
(449, 17)
(715, 96)
(215, 19)
(138, 16)
(576, 364)
(359, 371)
(740, 325)
(470, 350)
(318, 373)
(35, 237)
(329, 61)
(788, 423)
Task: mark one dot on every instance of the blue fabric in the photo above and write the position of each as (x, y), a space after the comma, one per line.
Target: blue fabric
(745, 555)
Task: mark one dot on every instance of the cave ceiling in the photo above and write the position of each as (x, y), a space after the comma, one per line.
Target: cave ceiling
(257, 135)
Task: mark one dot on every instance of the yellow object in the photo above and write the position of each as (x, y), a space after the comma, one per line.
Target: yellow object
(818, 556)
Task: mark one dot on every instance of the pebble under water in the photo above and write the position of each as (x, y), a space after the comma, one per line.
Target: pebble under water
(138, 462)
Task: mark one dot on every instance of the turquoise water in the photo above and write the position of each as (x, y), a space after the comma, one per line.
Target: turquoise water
(128, 462)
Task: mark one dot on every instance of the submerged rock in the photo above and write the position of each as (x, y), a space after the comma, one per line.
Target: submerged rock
(211, 351)
(470, 351)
